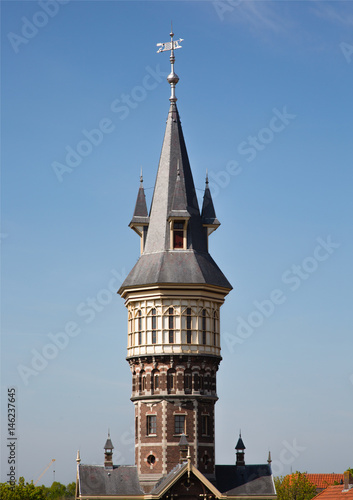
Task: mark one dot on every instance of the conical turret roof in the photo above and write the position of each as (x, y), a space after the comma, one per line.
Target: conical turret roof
(175, 195)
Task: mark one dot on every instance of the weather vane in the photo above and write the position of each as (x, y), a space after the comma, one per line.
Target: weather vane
(173, 77)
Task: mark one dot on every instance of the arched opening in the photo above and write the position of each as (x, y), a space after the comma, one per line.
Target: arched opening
(171, 380)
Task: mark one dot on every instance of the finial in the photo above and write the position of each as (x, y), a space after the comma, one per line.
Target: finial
(108, 432)
(141, 176)
(189, 461)
(206, 176)
(78, 458)
(172, 77)
(269, 460)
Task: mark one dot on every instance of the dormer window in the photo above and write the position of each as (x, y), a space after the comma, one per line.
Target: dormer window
(178, 234)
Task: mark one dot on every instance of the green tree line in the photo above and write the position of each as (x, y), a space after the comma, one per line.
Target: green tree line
(22, 490)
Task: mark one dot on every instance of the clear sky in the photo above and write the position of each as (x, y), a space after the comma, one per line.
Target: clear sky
(265, 99)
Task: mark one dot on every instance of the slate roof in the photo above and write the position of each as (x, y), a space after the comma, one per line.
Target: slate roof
(245, 480)
(97, 480)
(335, 493)
(208, 213)
(240, 444)
(140, 213)
(165, 480)
(175, 195)
(108, 444)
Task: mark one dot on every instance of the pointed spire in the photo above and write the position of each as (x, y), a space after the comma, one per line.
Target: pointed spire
(174, 204)
(240, 444)
(269, 460)
(141, 205)
(208, 213)
(140, 219)
(240, 447)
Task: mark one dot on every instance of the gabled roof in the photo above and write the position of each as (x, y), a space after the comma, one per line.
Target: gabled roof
(96, 480)
(335, 493)
(166, 482)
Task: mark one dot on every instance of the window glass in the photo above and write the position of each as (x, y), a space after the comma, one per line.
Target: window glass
(151, 424)
(179, 424)
(154, 326)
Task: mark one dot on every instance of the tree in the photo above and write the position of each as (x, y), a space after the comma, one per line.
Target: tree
(28, 491)
(294, 487)
(21, 491)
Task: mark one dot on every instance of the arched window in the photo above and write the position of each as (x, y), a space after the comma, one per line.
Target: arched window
(196, 382)
(155, 381)
(134, 382)
(213, 382)
(188, 325)
(187, 381)
(154, 326)
(207, 382)
(139, 326)
(131, 330)
(171, 325)
(201, 381)
(203, 326)
(171, 382)
(142, 381)
(214, 327)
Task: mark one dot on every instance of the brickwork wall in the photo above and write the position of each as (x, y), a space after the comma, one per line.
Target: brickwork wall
(158, 452)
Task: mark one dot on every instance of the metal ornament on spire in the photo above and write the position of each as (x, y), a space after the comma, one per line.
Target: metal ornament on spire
(172, 77)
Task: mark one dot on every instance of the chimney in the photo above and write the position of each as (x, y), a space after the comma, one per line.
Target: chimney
(348, 480)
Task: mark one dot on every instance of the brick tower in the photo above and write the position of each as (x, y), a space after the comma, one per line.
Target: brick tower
(173, 296)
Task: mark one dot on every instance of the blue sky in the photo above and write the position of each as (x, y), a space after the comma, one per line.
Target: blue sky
(265, 96)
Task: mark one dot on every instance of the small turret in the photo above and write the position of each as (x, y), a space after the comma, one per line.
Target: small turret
(108, 453)
(240, 447)
(140, 220)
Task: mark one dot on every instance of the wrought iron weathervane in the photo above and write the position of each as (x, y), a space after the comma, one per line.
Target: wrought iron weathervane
(172, 77)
